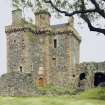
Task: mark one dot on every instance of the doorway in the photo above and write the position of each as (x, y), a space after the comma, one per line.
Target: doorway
(99, 78)
(40, 82)
(82, 80)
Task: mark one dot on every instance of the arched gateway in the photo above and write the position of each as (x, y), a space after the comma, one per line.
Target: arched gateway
(99, 78)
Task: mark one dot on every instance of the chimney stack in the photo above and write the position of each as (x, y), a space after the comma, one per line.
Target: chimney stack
(16, 16)
(42, 18)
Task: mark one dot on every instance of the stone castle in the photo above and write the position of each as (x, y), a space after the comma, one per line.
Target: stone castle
(43, 54)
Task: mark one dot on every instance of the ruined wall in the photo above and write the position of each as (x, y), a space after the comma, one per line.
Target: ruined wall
(17, 84)
(90, 69)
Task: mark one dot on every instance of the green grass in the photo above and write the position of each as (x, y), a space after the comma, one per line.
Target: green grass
(90, 97)
(45, 100)
(95, 93)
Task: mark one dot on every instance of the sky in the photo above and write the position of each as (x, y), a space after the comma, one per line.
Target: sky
(92, 47)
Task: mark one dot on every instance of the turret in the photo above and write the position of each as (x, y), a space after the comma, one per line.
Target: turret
(42, 19)
(16, 16)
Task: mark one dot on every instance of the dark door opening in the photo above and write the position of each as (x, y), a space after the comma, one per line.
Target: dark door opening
(99, 78)
(82, 78)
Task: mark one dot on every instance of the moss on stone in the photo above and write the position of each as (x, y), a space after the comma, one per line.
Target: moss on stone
(31, 37)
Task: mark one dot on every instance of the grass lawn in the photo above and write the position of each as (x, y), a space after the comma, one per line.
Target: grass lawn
(52, 100)
(90, 97)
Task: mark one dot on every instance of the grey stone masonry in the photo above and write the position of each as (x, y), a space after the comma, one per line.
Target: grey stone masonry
(43, 54)
(17, 84)
(44, 49)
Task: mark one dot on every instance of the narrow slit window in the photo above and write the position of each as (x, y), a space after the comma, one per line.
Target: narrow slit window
(21, 69)
(55, 43)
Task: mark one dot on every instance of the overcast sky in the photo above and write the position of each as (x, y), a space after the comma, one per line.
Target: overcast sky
(92, 45)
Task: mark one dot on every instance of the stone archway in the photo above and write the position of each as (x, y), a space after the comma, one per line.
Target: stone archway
(99, 78)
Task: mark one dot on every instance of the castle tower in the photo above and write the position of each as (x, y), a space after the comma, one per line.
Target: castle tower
(48, 54)
(14, 42)
(18, 45)
(42, 19)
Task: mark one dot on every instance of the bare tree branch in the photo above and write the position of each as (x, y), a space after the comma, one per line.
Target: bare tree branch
(91, 27)
(83, 13)
(67, 13)
(80, 7)
(86, 19)
(98, 9)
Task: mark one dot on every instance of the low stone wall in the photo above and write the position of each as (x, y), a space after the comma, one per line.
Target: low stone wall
(17, 84)
(90, 68)
(23, 84)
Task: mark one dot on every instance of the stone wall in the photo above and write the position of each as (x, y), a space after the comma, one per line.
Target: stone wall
(14, 50)
(90, 69)
(62, 69)
(29, 52)
(17, 84)
(24, 84)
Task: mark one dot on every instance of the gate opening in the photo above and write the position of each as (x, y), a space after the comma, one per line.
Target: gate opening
(99, 78)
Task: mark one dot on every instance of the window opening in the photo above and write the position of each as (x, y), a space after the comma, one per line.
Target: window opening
(55, 43)
(21, 69)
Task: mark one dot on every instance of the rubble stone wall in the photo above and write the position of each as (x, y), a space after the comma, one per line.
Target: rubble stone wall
(17, 84)
(90, 69)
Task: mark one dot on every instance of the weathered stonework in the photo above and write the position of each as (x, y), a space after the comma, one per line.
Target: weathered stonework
(52, 48)
(91, 70)
(44, 55)
(17, 84)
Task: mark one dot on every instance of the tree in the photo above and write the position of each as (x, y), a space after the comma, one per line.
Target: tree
(89, 10)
